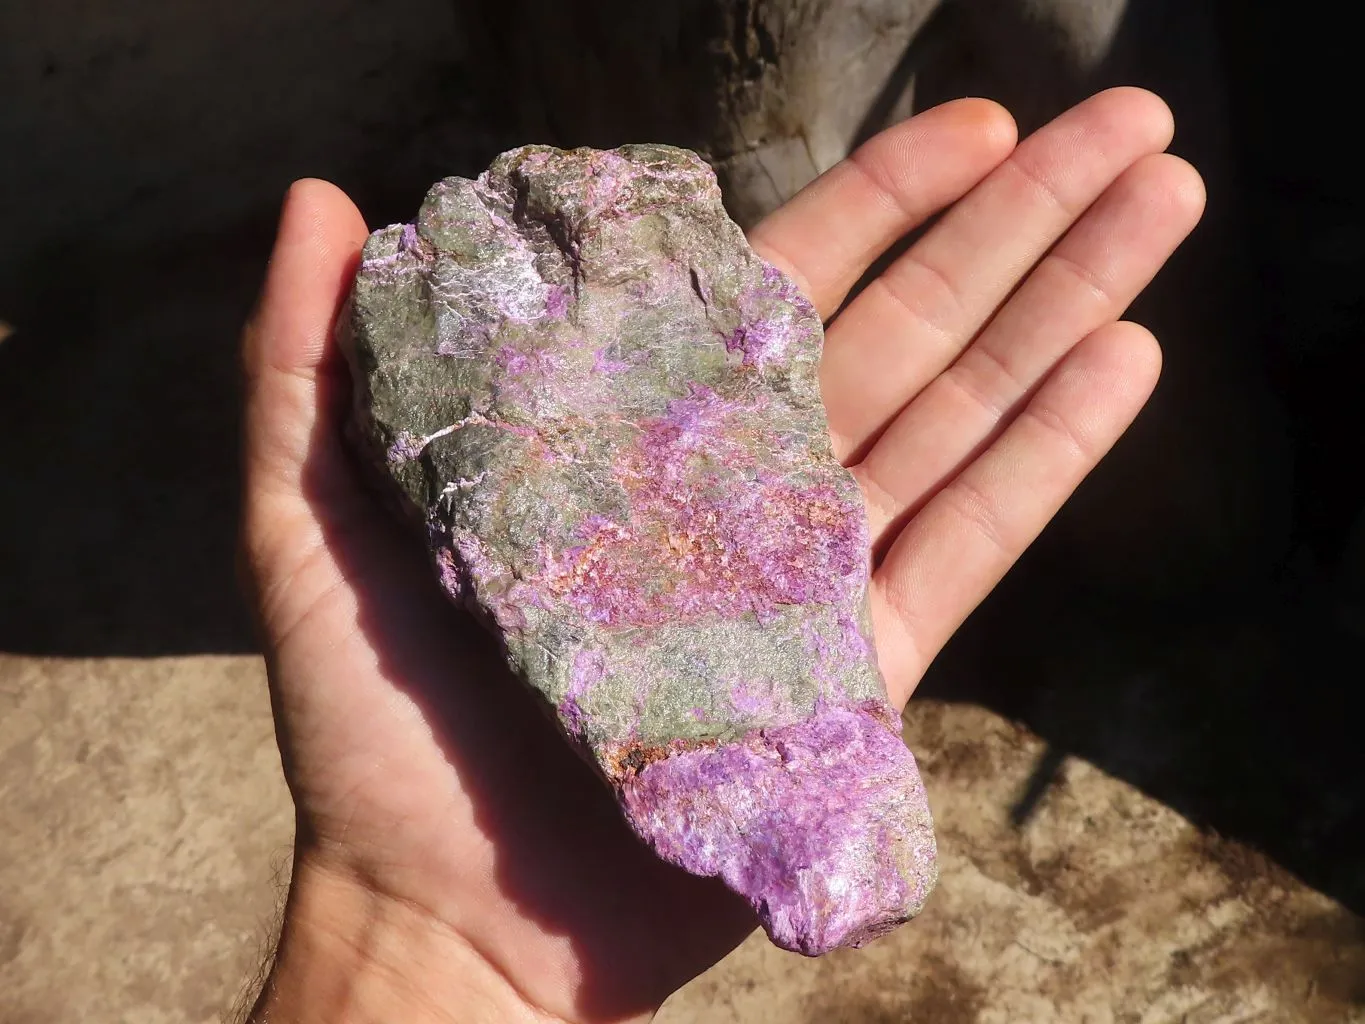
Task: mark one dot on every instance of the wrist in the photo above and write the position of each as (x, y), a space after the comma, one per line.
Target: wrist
(348, 955)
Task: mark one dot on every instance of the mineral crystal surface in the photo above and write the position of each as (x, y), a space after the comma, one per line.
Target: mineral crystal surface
(604, 408)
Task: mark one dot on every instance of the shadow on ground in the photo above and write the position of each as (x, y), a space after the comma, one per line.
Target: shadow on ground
(1237, 720)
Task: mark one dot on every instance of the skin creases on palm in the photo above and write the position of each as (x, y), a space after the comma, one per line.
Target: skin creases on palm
(968, 390)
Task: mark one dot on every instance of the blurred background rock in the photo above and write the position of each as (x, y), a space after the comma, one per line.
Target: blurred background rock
(1183, 646)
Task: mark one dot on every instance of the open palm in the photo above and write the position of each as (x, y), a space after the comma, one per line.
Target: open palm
(970, 388)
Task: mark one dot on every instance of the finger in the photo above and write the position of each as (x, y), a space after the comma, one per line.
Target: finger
(949, 557)
(1085, 282)
(833, 229)
(288, 344)
(914, 320)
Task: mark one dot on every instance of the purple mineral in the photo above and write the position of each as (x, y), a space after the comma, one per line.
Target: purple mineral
(604, 408)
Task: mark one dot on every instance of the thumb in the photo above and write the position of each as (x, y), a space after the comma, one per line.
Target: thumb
(294, 377)
(291, 365)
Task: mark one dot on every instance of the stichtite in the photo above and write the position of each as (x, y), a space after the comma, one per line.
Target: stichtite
(604, 406)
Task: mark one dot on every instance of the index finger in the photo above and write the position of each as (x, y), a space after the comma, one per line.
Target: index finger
(828, 234)
(287, 347)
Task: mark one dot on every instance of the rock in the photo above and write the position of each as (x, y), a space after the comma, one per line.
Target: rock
(605, 409)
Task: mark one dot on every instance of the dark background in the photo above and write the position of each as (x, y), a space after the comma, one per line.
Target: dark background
(1194, 622)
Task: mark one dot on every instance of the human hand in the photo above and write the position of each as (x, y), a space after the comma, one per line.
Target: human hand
(454, 860)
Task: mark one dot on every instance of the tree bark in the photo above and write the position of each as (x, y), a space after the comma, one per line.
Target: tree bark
(772, 92)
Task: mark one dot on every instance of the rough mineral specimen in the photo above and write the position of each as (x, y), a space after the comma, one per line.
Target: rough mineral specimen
(604, 408)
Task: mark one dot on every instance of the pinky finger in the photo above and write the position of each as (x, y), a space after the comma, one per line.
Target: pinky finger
(953, 553)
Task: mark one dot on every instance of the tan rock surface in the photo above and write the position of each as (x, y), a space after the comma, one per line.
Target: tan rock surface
(145, 825)
(146, 829)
